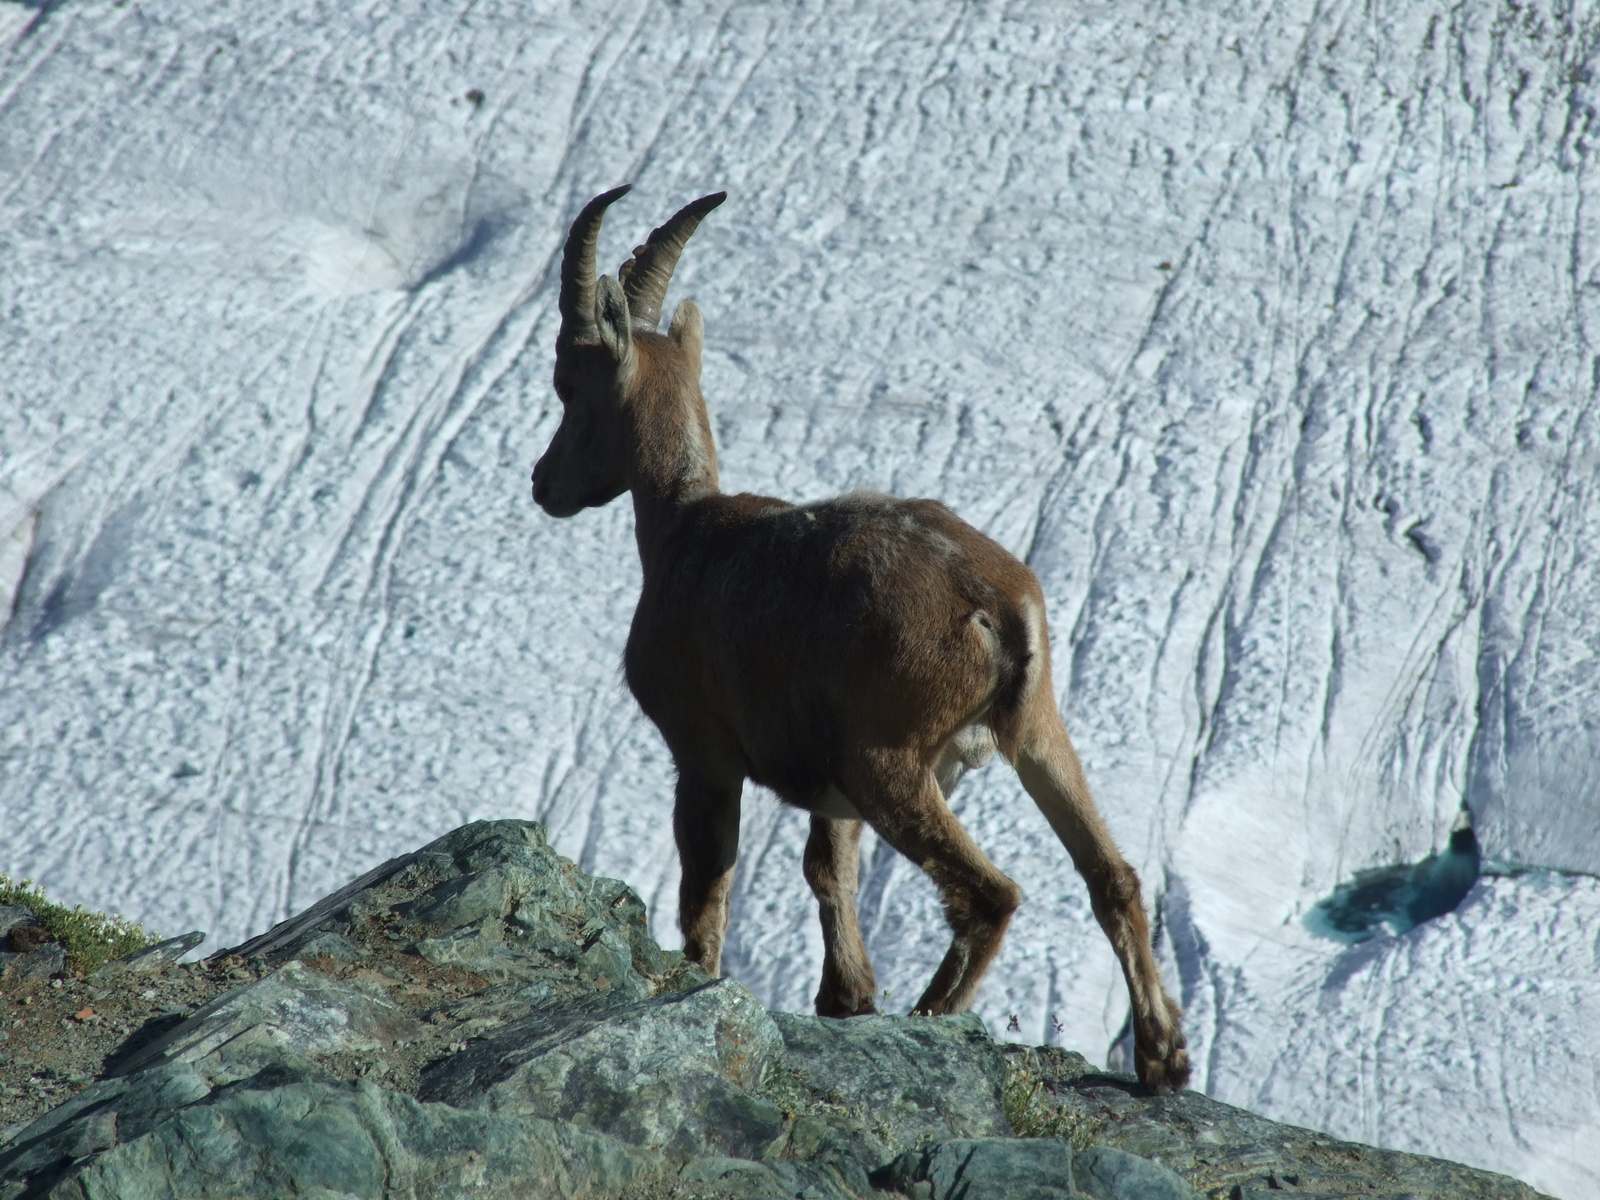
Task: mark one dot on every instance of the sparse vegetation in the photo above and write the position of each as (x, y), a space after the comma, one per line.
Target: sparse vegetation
(1032, 1108)
(89, 938)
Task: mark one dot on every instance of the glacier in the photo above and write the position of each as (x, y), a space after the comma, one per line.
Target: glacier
(1262, 332)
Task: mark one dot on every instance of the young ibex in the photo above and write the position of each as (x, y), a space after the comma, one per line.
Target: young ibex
(853, 655)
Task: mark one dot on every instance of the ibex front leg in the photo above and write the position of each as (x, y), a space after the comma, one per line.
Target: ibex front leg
(832, 867)
(705, 823)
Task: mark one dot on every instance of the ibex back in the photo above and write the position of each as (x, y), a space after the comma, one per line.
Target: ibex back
(854, 655)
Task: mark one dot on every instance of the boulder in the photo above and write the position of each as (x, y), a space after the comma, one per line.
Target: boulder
(23, 972)
(273, 1136)
(916, 1078)
(294, 1009)
(13, 916)
(151, 960)
(1106, 1173)
(29, 953)
(985, 1168)
(481, 1019)
(676, 1073)
(1226, 1151)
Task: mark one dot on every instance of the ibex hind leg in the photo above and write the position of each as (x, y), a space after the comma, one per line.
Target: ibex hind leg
(901, 798)
(1049, 768)
(849, 987)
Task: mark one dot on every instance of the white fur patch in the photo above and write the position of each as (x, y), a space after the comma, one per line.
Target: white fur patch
(1038, 643)
(834, 803)
(697, 455)
(968, 750)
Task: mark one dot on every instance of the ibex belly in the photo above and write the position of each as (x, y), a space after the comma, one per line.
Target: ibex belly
(969, 749)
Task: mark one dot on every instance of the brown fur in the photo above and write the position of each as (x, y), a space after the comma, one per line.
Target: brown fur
(851, 655)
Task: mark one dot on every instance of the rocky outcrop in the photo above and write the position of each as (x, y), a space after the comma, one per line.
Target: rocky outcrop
(481, 1018)
(27, 953)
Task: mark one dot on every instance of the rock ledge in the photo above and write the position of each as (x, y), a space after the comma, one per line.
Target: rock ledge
(481, 1018)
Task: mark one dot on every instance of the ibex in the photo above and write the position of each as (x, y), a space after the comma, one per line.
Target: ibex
(854, 655)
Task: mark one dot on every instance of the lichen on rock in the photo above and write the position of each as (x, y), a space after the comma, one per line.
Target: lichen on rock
(480, 1018)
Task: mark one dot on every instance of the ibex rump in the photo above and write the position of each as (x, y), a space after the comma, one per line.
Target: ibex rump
(853, 655)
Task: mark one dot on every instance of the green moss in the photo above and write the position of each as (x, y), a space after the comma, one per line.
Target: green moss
(90, 938)
(1034, 1111)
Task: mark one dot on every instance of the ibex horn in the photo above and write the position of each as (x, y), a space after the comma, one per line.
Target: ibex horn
(577, 269)
(645, 276)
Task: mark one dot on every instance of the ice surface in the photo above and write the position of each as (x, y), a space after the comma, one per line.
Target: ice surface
(1263, 332)
(1397, 899)
(1461, 1038)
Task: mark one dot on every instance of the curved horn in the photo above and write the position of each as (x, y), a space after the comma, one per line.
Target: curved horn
(645, 276)
(577, 269)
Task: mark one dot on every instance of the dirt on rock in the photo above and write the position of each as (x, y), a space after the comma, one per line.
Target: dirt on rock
(59, 1035)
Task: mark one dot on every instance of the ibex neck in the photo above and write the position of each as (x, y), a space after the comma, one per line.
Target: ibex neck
(674, 462)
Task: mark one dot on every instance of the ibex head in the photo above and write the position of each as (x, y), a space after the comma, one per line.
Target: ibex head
(609, 356)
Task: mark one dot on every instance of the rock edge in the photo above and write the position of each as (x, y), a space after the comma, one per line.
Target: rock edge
(481, 1018)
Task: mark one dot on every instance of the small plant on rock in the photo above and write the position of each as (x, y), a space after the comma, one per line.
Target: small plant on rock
(89, 938)
(1033, 1110)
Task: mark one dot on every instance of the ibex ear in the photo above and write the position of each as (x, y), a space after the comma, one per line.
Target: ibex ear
(611, 315)
(688, 329)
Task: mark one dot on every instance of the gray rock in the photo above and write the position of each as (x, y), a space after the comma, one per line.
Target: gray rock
(265, 1139)
(674, 1074)
(294, 1009)
(480, 948)
(862, 1090)
(1106, 1173)
(987, 1169)
(741, 1179)
(284, 938)
(493, 898)
(331, 945)
(555, 1050)
(467, 899)
(33, 968)
(232, 1103)
(911, 1079)
(1227, 1151)
(150, 960)
(713, 1168)
(12, 915)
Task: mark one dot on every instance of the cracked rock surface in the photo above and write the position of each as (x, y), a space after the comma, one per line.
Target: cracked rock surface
(480, 1018)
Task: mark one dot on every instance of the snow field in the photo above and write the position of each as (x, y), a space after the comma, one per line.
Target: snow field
(1264, 333)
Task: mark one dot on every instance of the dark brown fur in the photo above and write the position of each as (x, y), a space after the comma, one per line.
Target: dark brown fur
(842, 653)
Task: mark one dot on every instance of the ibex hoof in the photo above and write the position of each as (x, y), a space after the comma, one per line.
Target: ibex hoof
(832, 1003)
(1169, 1073)
(867, 1009)
(1163, 1061)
